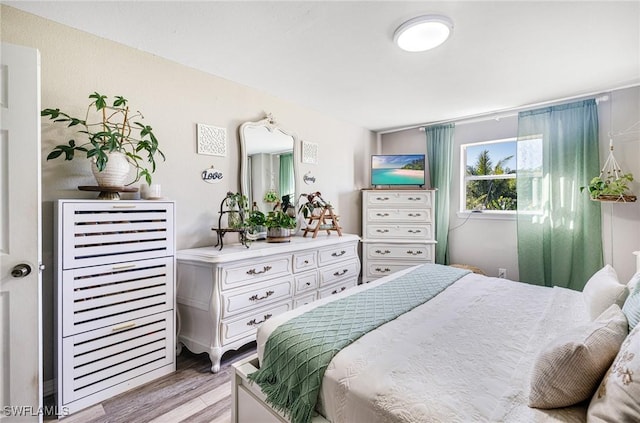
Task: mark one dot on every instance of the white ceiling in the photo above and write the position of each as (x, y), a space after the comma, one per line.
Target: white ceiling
(338, 57)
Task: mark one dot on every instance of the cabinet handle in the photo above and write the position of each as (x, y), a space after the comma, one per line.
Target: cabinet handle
(411, 231)
(308, 283)
(256, 298)
(340, 290)
(123, 266)
(382, 231)
(382, 214)
(415, 214)
(338, 273)
(257, 272)
(415, 198)
(381, 270)
(382, 198)
(383, 252)
(253, 322)
(123, 326)
(341, 253)
(414, 253)
(306, 262)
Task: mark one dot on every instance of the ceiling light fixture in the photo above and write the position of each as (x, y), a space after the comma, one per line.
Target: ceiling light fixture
(423, 32)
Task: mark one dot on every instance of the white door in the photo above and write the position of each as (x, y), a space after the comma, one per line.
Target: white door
(20, 244)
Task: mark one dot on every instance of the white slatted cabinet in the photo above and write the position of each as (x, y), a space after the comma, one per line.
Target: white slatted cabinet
(115, 304)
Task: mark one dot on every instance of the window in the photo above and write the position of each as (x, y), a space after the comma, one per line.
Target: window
(488, 176)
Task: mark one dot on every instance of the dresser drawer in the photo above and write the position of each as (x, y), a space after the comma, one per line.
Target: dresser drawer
(304, 261)
(232, 329)
(306, 282)
(99, 296)
(399, 215)
(101, 358)
(235, 302)
(337, 253)
(409, 198)
(418, 231)
(408, 252)
(380, 268)
(344, 270)
(304, 300)
(338, 288)
(255, 271)
(114, 232)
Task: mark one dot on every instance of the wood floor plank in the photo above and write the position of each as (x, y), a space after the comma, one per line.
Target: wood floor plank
(183, 412)
(216, 395)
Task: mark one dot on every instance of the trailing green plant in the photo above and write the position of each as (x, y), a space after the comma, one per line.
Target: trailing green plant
(237, 209)
(256, 218)
(279, 219)
(270, 196)
(114, 129)
(609, 186)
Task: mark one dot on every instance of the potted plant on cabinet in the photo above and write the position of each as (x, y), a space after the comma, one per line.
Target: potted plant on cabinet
(115, 139)
(255, 223)
(279, 226)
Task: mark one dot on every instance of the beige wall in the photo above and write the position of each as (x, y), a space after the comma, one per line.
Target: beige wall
(491, 243)
(173, 98)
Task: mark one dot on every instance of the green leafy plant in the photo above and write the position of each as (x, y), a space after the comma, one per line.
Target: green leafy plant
(256, 218)
(313, 201)
(270, 196)
(279, 219)
(114, 128)
(609, 186)
(237, 205)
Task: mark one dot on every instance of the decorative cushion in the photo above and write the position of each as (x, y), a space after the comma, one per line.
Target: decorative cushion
(631, 308)
(616, 400)
(602, 290)
(568, 370)
(633, 282)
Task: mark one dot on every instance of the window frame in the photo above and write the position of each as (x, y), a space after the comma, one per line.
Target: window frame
(464, 178)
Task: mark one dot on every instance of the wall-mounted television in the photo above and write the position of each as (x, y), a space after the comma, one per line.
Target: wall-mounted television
(397, 169)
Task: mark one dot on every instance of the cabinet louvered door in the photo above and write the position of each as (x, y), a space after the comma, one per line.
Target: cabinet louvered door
(102, 358)
(116, 231)
(105, 295)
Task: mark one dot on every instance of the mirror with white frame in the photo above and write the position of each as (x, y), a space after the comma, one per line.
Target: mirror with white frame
(268, 165)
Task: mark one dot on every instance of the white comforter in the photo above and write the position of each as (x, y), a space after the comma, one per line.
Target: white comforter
(464, 356)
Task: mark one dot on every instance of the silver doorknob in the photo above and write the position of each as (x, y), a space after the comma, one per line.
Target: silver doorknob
(20, 270)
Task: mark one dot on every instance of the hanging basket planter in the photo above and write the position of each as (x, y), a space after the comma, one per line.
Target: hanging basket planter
(612, 185)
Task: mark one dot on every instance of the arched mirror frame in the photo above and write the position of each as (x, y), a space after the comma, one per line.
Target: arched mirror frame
(269, 123)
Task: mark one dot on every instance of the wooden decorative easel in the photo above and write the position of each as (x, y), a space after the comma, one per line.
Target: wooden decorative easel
(327, 220)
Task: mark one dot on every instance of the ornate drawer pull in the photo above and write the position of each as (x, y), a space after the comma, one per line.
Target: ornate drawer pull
(338, 273)
(306, 262)
(341, 253)
(383, 252)
(253, 322)
(415, 198)
(382, 214)
(411, 231)
(381, 270)
(382, 198)
(382, 231)
(257, 272)
(415, 214)
(256, 298)
(308, 283)
(340, 290)
(414, 253)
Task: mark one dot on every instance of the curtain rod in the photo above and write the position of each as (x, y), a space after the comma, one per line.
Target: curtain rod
(498, 114)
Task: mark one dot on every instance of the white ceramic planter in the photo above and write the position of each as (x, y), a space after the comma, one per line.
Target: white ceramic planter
(115, 172)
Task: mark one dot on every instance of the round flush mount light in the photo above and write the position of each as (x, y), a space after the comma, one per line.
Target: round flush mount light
(423, 33)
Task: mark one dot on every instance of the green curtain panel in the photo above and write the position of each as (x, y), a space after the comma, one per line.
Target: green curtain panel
(440, 157)
(559, 228)
(286, 176)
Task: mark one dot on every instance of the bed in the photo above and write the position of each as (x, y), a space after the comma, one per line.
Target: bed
(465, 355)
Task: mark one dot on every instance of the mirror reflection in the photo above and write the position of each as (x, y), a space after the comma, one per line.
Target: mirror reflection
(267, 164)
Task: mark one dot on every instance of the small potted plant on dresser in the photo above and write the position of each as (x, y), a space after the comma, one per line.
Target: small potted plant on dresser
(279, 226)
(114, 139)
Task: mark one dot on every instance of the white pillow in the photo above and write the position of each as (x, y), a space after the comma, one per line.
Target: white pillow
(602, 290)
(568, 370)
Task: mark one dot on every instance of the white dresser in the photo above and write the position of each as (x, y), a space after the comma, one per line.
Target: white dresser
(224, 295)
(115, 297)
(397, 230)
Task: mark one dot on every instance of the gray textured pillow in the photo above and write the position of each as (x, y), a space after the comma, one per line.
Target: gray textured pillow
(569, 369)
(617, 398)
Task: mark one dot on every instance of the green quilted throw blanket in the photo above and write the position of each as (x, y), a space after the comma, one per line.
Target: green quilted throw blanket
(298, 352)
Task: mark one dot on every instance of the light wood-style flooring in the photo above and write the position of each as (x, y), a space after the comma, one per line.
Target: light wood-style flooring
(192, 394)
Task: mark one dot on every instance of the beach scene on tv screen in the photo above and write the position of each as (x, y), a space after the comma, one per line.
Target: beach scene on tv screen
(397, 170)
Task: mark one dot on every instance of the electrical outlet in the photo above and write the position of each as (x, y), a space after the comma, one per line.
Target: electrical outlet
(502, 273)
